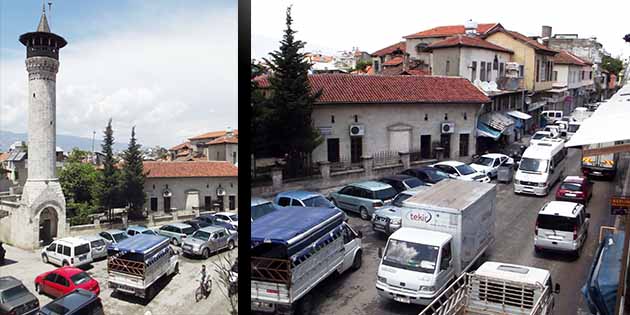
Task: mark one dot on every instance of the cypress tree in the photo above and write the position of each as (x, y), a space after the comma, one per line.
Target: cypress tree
(133, 176)
(109, 183)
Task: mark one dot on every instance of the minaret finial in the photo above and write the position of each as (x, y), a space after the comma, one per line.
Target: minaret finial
(43, 21)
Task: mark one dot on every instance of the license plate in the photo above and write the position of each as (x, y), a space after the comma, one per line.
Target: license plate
(402, 299)
(570, 195)
(597, 173)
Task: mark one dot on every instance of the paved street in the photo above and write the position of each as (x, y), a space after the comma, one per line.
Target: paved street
(354, 293)
(175, 296)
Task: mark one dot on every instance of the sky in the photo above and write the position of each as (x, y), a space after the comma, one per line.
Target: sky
(332, 25)
(167, 67)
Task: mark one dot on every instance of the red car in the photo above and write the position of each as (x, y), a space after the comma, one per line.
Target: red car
(576, 189)
(64, 280)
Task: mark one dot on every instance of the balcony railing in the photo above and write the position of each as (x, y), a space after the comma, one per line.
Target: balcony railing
(510, 83)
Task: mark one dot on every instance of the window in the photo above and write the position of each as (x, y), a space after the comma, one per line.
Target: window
(488, 71)
(377, 65)
(284, 201)
(555, 75)
(347, 191)
(583, 75)
(234, 158)
(521, 71)
(482, 71)
(590, 75)
(448, 66)
(66, 251)
(501, 69)
(52, 277)
(296, 203)
(537, 70)
(52, 248)
(59, 249)
(473, 75)
(446, 256)
(62, 281)
(232, 202)
(332, 119)
(82, 249)
(463, 144)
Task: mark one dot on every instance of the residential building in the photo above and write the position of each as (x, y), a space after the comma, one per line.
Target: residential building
(211, 146)
(190, 185)
(385, 55)
(573, 82)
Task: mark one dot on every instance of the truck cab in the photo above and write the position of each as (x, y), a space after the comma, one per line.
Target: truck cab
(415, 266)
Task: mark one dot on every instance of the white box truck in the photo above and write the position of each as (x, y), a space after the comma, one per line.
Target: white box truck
(292, 250)
(444, 232)
(498, 288)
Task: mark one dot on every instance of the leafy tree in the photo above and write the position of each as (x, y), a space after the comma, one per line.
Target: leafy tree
(78, 182)
(133, 177)
(289, 129)
(612, 65)
(259, 115)
(76, 156)
(362, 64)
(109, 187)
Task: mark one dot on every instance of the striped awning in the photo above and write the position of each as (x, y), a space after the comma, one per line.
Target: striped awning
(484, 130)
(497, 120)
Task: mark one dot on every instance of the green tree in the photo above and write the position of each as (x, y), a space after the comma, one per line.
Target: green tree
(76, 156)
(288, 126)
(109, 185)
(362, 64)
(259, 115)
(612, 65)
(133, 177)
(78, 182)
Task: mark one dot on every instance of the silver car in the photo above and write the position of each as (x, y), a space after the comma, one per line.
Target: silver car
(209, 240)
(177, 232)
(98, 246)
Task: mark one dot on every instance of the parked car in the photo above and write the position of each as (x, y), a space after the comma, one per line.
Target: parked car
(461, 171)
(540, 136)
(576, 189)
(64, 280)
(427, 174)
(138, 229)
(77, 302)
(197, 224)
(514, 150)
(388, 219)
(114, 236)
(561, 226)
(300, 198)
(554, 130)
(402, 182)
(363, 197)
(98, 246)
(259, 207)
(212, 220)
(489, 163)
(209, 240)
(2, 253)
(69, 251)
(15, 298)
(228, 217)
(176, 232)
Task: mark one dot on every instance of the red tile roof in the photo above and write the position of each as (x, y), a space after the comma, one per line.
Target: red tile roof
(450, 30)
(566, 58)
(185, 145)
(467, 41)
(394, 61)
(342, 88)
(224, 140)
(4, 156)
(415, 72)
(156, 169)
(212, 134)
(390, 49)
(524, 39)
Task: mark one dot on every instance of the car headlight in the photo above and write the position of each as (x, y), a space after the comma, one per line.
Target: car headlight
(517, 182)
(541, 184)
(381, 279)
(396, 221)
(426, 288)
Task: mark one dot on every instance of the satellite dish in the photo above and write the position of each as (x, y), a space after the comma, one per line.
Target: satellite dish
(477, 82)
(493, 86)
(485, 86)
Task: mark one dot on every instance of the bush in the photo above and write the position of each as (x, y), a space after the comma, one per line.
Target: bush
(80, 213)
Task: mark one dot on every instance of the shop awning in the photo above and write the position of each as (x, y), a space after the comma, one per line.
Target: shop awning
(534, 106)
(497, 120)
(558, 90)
(484, 130)
(519, 115)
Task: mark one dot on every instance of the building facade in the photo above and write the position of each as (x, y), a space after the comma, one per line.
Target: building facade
(573, 82)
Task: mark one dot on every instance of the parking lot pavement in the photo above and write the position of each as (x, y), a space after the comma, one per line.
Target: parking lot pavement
(175, 296)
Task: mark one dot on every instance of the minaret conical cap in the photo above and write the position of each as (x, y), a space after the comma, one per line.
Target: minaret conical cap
(43, 23)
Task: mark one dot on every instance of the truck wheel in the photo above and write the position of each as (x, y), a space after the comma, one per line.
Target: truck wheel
(356, 264)
(150, 292)
(230, 245)
(205, 253)
(364, 213)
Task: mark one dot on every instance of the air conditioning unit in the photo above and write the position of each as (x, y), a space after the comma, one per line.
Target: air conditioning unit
(357, 130)
(448, 127)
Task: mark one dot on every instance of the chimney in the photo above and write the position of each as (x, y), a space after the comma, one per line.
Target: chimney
(546, 32)
(470, 28)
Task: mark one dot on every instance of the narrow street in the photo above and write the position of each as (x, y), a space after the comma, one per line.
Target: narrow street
(355, 293)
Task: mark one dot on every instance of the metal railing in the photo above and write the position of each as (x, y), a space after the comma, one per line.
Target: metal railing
(386, 158)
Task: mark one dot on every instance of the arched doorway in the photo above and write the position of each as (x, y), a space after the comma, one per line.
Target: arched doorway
(47, 226)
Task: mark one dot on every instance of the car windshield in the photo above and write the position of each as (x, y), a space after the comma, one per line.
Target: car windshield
(82, 249)
(13, 293)
(188, 230)
(262, 209)
(398, 201)
(385, 194)
(318, 201)
(538, 136)
(556, 222)
(413, 182)
(437, 175)
(571, 186)
(233, 217)
(485, 161)
(201, 235)
(80, 277)
(119, 236)
(150, 232)
(411, 256)
(55, 309)
(533, 165)
(98, 243)
(573, 128)
(465, 169)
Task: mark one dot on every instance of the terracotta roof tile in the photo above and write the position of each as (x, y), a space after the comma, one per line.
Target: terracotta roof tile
(156, 169)
(390, 49)
(568, 58)
(394, 61)
(224, 140)
(342, 88)
(212, 134)
(4, 156)
(524, 39)
(415, 72)
(185, 145)
(449, 30)
(467, 41)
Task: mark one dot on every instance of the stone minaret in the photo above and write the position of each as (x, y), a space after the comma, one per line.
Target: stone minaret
(42, 199)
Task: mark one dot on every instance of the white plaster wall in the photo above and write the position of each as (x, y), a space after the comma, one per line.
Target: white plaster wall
(207, 186)
(468, 55)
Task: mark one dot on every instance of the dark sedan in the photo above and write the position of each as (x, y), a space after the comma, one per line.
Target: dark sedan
(15, 297)
(429, 175)
(402, 182)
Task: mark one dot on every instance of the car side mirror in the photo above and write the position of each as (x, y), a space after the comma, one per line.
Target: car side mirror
(556, 289)
(588, 215)
(380, 252)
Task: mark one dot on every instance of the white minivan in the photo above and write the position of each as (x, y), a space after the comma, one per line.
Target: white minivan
(561, 226)
(540, 167)
(70, 251)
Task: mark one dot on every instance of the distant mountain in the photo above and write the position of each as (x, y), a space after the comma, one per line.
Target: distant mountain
(67, 143)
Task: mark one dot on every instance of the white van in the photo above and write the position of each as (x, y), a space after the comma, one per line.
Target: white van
(561, 226)
(70, 251)
(552, 115)
(541, 166)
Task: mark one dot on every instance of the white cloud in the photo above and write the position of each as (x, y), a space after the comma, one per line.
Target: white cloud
(172, 78)
(372, 25)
